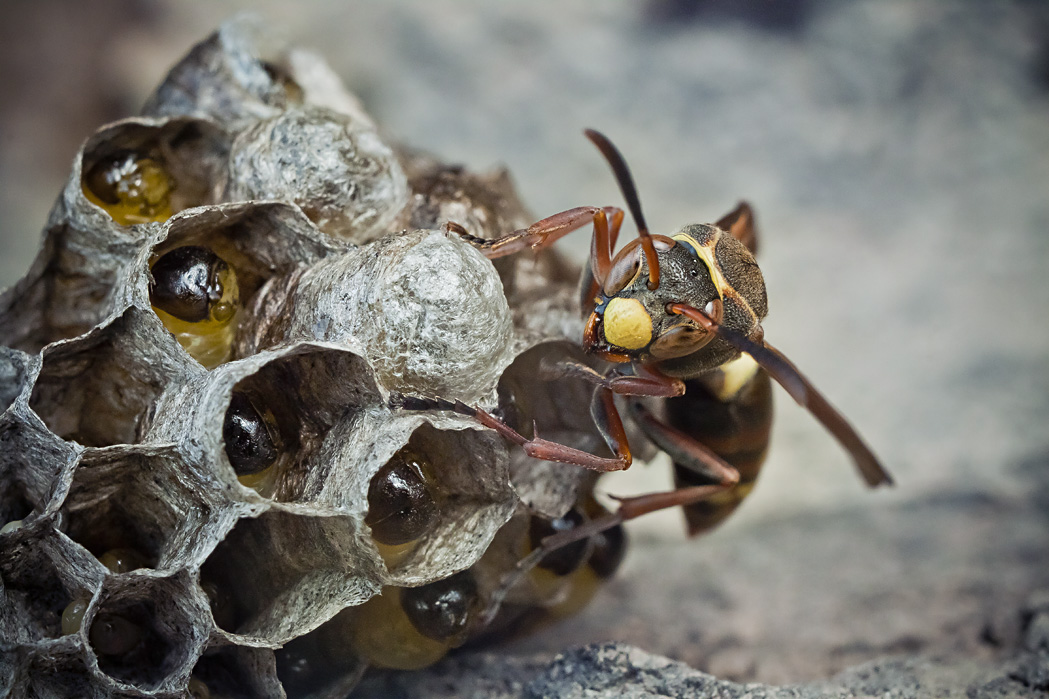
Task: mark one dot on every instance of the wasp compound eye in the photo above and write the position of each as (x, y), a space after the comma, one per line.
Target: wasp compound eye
(132, 189)
(568, 558)
(401, 506)
(250, 443)
(443, 609)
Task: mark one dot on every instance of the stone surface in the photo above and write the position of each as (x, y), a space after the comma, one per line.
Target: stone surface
(942, 597)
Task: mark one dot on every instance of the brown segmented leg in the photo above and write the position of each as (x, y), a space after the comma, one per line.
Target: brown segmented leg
(603, 243)
(801, 390)
(683, 449)
(545, 232)
(537, 447)
(648, 381)
(629, 508)
(606, 418)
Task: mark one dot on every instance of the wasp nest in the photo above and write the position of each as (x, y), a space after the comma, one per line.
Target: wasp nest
(203, 485)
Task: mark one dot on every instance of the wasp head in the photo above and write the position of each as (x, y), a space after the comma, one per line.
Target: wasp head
(701, 266)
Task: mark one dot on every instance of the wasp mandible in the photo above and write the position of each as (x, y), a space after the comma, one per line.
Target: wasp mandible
(676, 317)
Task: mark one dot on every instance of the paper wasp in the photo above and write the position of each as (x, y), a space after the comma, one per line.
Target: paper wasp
(677, 318)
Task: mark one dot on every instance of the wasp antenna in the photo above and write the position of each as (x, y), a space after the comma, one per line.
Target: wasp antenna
(626, 185)
(801, 390)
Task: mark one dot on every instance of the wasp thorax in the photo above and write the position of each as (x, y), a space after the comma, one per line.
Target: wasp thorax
(130, 187)
(195, 294)
(401, 505)
(251, 439)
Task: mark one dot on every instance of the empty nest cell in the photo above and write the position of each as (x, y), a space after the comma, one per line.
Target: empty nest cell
(139, 507)
(278, 575)
(98, 389)
(234, 671)
(142, 631)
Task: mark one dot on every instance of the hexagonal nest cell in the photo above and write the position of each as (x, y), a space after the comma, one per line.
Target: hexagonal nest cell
(205, 459)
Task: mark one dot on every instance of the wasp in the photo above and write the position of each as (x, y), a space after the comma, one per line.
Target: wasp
(676, 318)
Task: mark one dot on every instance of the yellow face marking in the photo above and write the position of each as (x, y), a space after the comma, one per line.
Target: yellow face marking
(707, 255)
(627, 324)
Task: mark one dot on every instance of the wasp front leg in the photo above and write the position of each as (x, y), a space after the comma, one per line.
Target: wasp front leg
(610, 425)
(727, 412)
(606, 220)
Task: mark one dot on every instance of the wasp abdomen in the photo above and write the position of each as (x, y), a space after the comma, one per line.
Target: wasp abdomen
(729, 410)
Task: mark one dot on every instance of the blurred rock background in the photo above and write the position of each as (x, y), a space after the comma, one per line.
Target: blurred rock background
(897, 153)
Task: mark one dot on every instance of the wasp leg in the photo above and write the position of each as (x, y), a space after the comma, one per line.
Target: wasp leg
(549, 230)
(611, 428)
(683, 449)
(646, 381)
(801, 390)
(602, 245)
(629, 508)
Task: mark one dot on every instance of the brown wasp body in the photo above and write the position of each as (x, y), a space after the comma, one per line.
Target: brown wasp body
(677, 318)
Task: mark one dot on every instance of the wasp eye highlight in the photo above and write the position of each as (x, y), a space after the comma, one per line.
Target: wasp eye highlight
(195, 294)
(132, 189)
(401, 506)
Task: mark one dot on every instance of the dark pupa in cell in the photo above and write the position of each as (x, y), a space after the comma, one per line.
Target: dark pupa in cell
(443, 609)
(401, 504)
(132, 188)
(195, 294)
(115, 636)
(251, 440)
